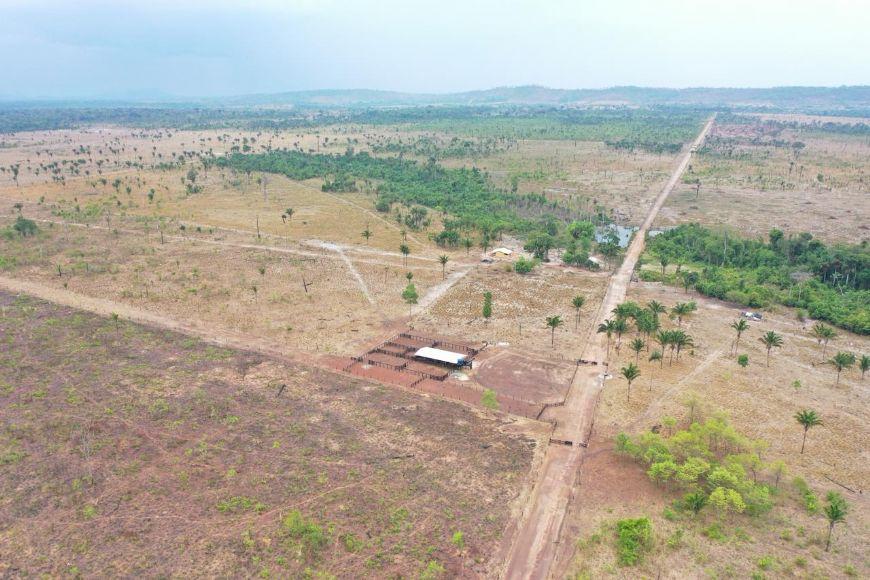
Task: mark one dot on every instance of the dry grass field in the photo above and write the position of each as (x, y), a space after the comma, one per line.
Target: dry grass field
(760, 402)
(128, 451)
(753, 179)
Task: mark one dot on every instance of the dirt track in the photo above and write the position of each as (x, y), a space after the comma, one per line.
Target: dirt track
(533, 545)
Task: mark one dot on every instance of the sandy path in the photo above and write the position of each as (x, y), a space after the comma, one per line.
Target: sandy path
(533, 548)
(437, 291)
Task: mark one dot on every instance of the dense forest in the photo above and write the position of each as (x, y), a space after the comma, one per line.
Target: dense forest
(827, 282)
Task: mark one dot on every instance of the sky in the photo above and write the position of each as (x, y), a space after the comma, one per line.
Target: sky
(201, 48)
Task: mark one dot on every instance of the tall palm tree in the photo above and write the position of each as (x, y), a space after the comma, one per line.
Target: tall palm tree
(681, 340)
(835, 511)
(619, 327)
(577, 302)
(637, 345)
(443, 259)
(823, 334)
(864, 365)
(654, 356)
(607, 328)
(630, 373)
(553, 322)
(770, 340)
(807, 419)
(664, 339)
(739, 326)
(405, 251)
(841, 362)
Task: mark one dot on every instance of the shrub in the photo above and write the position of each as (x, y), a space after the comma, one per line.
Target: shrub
(240, 503)
(634, 538)
(433, 570)
(311, 537)
(523, 265)
(810, 499)
(489, 399)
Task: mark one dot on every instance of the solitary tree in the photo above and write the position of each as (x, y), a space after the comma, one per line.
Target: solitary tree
(443, 259)
(487, 306)
(630, 373)
(807, 418)
(553, 322)
(664, 261)
(405, 251)
(841, 362)
(467, 244)
(835, 511)
(367, 233)
(656, 308)
(770, 340)
(637, 345)
(577, 302)
(864, 365)
(409, 295)
(823, 334)
(739, 326)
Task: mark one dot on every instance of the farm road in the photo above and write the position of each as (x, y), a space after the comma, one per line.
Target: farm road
(533, 546)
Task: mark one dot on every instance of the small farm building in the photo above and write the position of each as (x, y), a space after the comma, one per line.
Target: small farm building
(427, 353)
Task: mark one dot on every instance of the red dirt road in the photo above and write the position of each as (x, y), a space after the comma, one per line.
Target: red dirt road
(532, 548)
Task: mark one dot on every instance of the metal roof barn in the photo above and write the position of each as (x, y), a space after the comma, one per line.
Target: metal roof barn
(443, 356)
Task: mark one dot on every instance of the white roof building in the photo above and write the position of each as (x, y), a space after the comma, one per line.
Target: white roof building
(505, 251)
(444, 356)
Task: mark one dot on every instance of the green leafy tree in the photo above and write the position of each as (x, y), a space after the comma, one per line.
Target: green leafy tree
(553, 322)
(842, 361)
(864, 364)
(630, 373)
(807, 419)
(467, 243)
(835, 512)
(24, 227)
(770, 340)
(743, 360)
(443, 259)
(410, 296)
(487, 305)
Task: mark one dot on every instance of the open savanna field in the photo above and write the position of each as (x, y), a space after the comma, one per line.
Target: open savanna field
(760, 402)
(128, 450)
(181, 305)
(759, 173)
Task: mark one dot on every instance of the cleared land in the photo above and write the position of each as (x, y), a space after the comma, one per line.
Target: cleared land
(128, 450)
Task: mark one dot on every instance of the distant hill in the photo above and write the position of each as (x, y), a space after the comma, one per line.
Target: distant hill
(804, 98)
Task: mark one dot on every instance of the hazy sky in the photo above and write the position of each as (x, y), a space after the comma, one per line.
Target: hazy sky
(58, 48)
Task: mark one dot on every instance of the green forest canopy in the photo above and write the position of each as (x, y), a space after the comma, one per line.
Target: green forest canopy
(830, 282)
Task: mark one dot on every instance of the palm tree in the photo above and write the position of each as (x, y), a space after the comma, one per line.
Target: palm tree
(607, 328)
(467, 244)
(664, 261)
(682, 310)
(807, 418)
(619, 326)
(770, 340)
(443, 259)
(739, 326)
(835, 511)
(864, 365)
(553, 322)
(646, 324)
(664, 338)
(841, 362)
(637, 345)
(681, 340)
(654, 356)
(577, 302)
(626, 310)
(405, 251)
(823, 334)
(367, 233)
(630, 373)
(656, 308)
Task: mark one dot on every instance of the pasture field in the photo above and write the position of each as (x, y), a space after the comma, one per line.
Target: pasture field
(129, 450)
